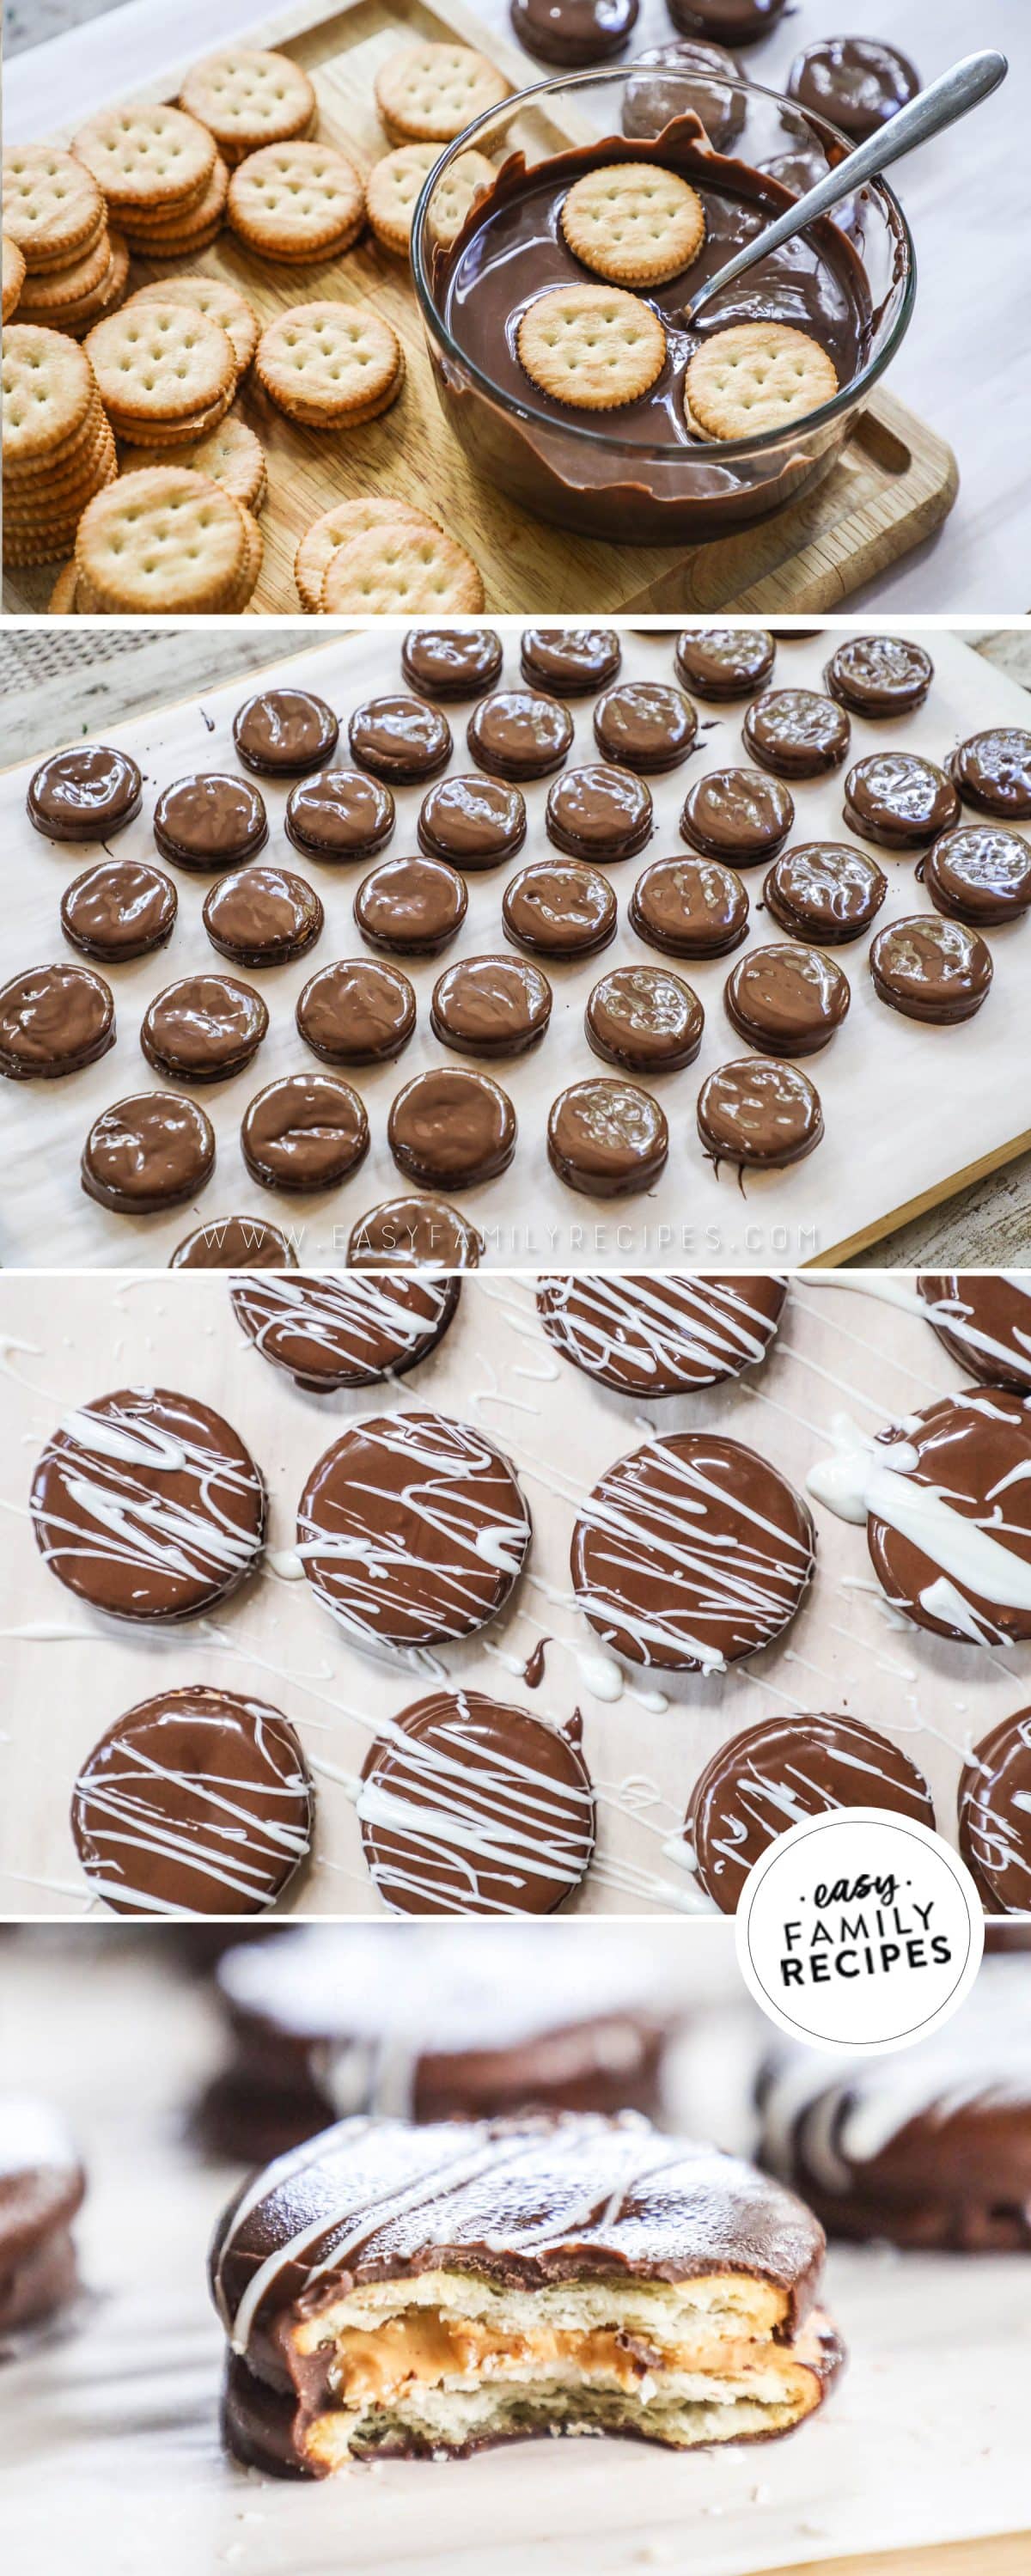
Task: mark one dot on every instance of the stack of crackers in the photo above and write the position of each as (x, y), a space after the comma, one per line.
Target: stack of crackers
(58, 447)
(70, 268)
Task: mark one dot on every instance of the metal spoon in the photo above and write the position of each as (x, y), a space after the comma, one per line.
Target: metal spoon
(953, 95)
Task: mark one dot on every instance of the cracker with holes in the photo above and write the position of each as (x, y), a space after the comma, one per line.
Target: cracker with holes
(230, 455)
(53, 207)
(221, 303)
(179, 232)
(393, 185)
(13, 275)
(401, 568)
(430, 93)
(162, 368)
(634, 223)
(296, 201)
(247, 97)
(756, 376)
(331, 366)
(335, 528)
(146, 157)
(163, 542)
(593, 346)
(78, 314)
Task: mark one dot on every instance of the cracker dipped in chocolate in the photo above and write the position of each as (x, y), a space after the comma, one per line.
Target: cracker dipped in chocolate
(434, 2290)
(471, 1806)
(412, 1529)
(691, 1553)
(649, 1334)
(195, 1802)
(946, 1498)
(983, 1319)
(42, 2184)
(147, 1505)
(774, 1774)
(337, 1329)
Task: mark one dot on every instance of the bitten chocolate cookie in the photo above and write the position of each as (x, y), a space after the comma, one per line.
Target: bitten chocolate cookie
(607, 1139)
(118, 910)
(411, 907)
(412, 1530)
(148, 1153)
(411, 1232)
(692, 1552)
(400, 739)
(645, 726)
(85, 794)
(147, 1505)
(689, 907)
(262, 916)
(516, 734)
(471, 1806)
(339, 816)
(599, 813)
(644, 1019)
(570, 661)
(307, 1131)
(358, 1011)
(993, 772)
(946, 1496)
(491, 1006)
(994, 1810)
(654, 1334)
(899, 801)
(980, 874)
(210, 822)
(282, 732)
(787, 1001)
(759, 1113)
(54, 1020)
(203, 1029)
(559, 910)
(235, 1243)
(329, 1331)
(737, 815)
(451, 661)
(796, 733)
(194, 1802)
(43, 2184)
(931, 969)
(983, 1320)
(452, 1128)
(720, 662)
(472, 822)
(779, 1771)
(824, 890)
(879, 675)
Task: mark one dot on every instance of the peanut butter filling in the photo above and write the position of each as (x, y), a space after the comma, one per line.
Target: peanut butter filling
(422, 2347)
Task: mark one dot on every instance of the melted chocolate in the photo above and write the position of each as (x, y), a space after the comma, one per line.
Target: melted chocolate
(721, 662)
(857, 83)
(203, 1029)
(451, 661)
(356, 1012)
(452, 1127)
(118, 910)
(507, 1805)
(824, 890)
(305, 1132)
(517, 734)
(899, 801)
(235, 1243)
(690, 907)
(412, 1232)
(607, 1139)
(491, 1006)
(994, 1811)
(645, 726)
(339, 816)
(148, 1153)
(412, 1530)
(983, 1320)
(472, 822)
(599, 813)
(411, 907)
(195, 1802)
(780, 1771)
(262, 916)
(658, 1334)
(980, 874)
(147, 1505)
(930, 969)
(400, 739)
(283, 732)
(210, 822)
(691, 1553)
(787, 1001)
(329, 1332)
(570, 661)
(559, 910)
(737, 815)
(85, 794)
(54, 1020)
(644, 1020)
(765, 1114)
(796, 733)
(993, 772)
(879, 675)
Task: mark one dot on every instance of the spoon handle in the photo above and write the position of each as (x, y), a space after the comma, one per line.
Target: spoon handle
(952, 96)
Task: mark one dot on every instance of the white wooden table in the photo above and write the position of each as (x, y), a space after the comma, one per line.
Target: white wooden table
(966, 364)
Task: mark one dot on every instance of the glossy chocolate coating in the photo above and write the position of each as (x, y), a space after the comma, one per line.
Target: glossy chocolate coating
(980, 874)
(472, 822)
(855, 82)
(796, 733)
(558, 909)
(400, 739)
(931, 969)
(983, 1320)
(994, 1809)
(491, 1006)
(148, 1153)
(84, 794)
(204, 1028)
(692, 1552)
(147, 1505)
(305, 1132)
(210, 821)
(334, 1330)
(262, 916)
(786, 1001)
(607, 1139)
(599, 813)
(42, 2184)
(645, 725)
(570, 661)
(339, 816)
(774, 1774)
(120, 909)
(879, 675)
(451, 661)
(670, 80)
(413, 1529)
(452, 1127)
(689, 907)
(659, 1334)
(993, 772)
(574, 33)
(738, 815)
(357, 1011)
(508, 1804)
(54, 1020)
(759, 1112)
(410, 1232)
(411, 907)
(730, 22)
(644, 1020)
(235, 1243)
(972, 1452)
(519, 734)
(721, 662)
(824, 890)
(899, 801)
(194, 1802)
(283, 732)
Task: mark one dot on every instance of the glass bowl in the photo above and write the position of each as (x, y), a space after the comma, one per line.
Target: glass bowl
(639, 475)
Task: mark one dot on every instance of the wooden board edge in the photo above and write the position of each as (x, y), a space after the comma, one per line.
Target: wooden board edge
(1005, 2553)
(939, 1196)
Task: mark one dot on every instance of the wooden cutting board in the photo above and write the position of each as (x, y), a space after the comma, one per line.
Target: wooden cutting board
(893, 483)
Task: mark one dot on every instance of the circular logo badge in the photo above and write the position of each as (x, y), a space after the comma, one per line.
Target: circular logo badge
(859, 1930)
